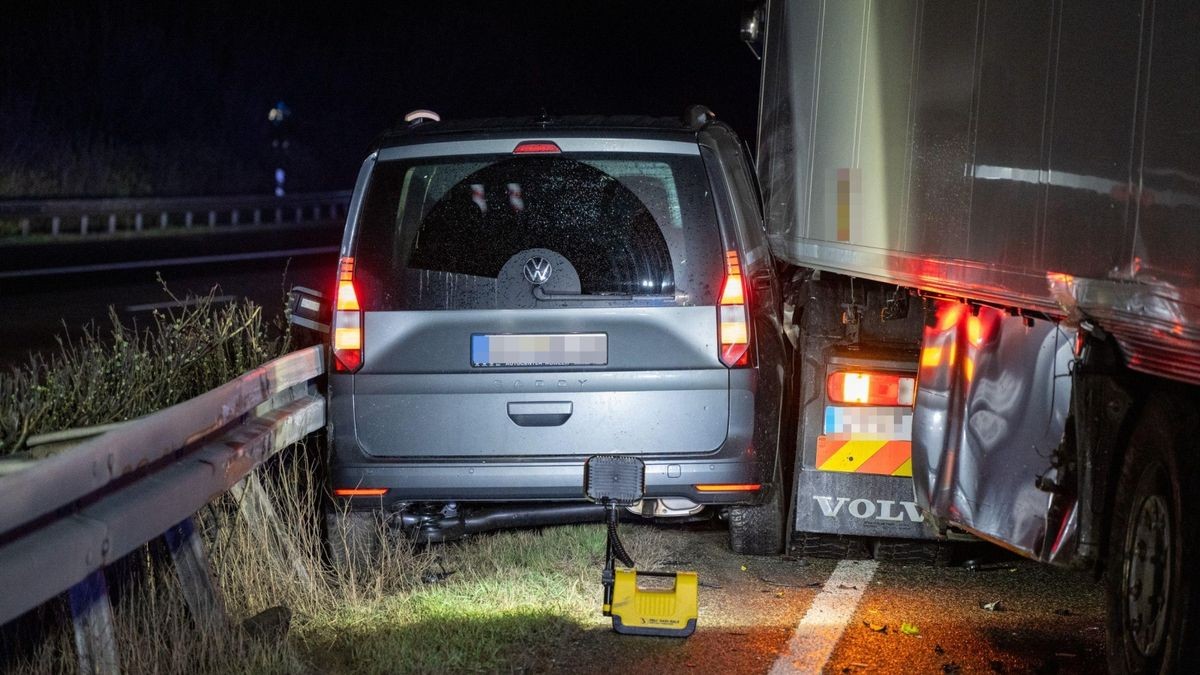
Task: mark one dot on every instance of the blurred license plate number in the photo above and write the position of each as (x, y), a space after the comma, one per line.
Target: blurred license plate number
(563, 349)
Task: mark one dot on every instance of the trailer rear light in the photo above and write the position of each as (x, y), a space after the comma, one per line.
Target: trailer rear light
(733, 328)
(347, 321)
(360, 492)
(729, 487)
(871, 388)
(536, 148)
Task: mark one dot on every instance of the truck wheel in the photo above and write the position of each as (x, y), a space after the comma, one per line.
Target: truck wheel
(833, 546)
(909, 552)
(352, 540)
(758, 530)
(1152, 549)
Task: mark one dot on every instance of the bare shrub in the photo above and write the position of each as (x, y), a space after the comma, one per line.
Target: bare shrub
(121, 372)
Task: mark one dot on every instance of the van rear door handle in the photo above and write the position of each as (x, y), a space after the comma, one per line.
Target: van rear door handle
(539, 413)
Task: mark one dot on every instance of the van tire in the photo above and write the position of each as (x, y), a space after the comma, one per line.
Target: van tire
(1153, 610)
(758, 529)
(352, 540)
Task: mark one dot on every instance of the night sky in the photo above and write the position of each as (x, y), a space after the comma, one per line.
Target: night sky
(101, 98)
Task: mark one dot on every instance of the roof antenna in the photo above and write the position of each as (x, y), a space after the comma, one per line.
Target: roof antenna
(544, 118)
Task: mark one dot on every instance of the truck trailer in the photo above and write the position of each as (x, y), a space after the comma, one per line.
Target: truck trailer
(990, 217)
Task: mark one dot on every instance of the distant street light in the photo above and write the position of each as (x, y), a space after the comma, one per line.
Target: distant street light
(278, 117)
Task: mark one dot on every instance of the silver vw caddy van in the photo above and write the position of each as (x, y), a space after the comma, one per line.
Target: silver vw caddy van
(514, 296)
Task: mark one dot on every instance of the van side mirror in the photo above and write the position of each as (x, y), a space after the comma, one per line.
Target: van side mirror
(308, 309)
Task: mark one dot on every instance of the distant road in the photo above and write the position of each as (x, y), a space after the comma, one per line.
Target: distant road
(44, 287)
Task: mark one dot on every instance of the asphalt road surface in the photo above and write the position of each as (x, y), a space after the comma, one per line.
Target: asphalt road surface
(784, 614)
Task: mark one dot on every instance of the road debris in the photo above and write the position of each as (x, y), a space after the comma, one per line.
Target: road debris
(877, 627)
(993, 606)
(909, 629)
(789, 584)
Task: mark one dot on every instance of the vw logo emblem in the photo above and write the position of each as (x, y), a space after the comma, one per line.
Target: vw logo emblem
(537, 270)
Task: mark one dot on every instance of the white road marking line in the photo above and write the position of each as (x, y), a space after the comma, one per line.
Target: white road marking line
(172, 304)
(823, 624)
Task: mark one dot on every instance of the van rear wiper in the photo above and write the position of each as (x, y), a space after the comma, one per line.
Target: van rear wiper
(540, 294)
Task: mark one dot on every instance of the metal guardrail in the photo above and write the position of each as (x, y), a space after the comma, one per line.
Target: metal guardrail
(64, 518)
(67, 217)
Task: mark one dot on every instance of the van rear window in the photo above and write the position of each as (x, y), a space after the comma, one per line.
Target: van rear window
(459, 232)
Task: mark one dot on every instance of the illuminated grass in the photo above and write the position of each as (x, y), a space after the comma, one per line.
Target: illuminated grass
(515, 600)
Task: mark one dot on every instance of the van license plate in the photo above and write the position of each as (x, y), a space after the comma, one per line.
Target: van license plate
(544, 349)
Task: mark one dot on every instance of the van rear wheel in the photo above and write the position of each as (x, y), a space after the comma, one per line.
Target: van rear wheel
(758, 529)
(352, 539)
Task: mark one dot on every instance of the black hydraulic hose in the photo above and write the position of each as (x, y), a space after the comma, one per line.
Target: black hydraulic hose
(618, 549)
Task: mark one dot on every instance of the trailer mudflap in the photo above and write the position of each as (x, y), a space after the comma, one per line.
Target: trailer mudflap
(858, 504)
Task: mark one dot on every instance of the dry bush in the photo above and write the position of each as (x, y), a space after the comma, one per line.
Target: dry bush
(122, 372)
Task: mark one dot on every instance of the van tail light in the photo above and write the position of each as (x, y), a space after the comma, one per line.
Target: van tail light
(733, 328)
(871, 388)
(347, 321)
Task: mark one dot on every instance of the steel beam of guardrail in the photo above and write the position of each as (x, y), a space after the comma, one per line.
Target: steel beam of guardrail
(65, 517)
(66, 217)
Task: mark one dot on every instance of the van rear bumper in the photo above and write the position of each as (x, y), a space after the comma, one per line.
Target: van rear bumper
(546, 480)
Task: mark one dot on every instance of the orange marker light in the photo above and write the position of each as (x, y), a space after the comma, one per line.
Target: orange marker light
(360, 492)
(730, 487)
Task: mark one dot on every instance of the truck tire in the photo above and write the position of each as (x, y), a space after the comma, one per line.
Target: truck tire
(910, 552)
(351, 539)
(758, 529)
(1153, 546)
(832, 546)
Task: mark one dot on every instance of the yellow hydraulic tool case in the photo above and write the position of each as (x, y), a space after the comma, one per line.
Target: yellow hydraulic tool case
(618, 481)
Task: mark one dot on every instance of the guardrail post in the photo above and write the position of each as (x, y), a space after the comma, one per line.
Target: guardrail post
(162, 220)
(55, 222)
(24, 227)
(138, 221)
(92, 617)
(278, 216)
(299, 214)
(195, 576)
(257, 216)
(234, 217)
(112, 223)
(83, 224)
(212, 218)
(256, 509)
